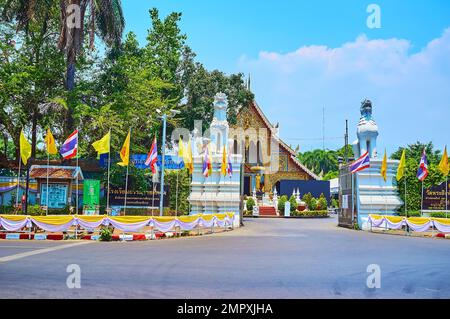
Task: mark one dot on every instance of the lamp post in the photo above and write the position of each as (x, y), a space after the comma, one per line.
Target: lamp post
(163, 161)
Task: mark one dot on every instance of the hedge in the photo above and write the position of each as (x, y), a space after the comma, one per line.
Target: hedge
(311, 213)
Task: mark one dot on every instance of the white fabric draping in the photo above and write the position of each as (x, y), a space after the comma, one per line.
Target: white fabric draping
(418, 224)
(54, 228)
(11, 225)
(125, 224)
(134, 227)
(394, 225)
(420, 227)
(441, 227)
(92, 225)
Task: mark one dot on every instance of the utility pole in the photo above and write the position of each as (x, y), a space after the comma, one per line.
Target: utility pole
(346, 142)
(163, 164)
(323, 128)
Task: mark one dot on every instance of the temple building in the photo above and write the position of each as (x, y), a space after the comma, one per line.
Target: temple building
(269, 162)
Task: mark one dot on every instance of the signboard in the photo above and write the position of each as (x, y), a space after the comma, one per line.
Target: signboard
(138, 198)
(91, 193)
(434, 197)
(57, 195)
(138, 160)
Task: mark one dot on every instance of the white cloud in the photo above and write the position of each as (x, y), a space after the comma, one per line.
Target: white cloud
(410, 91)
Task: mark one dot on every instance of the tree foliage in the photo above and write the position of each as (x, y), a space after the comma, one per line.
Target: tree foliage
(413, 185)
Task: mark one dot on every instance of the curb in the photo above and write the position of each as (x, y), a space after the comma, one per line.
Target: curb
(132, 237)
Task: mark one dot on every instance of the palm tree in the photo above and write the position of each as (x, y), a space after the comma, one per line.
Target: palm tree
(105, 17)
(320, 161)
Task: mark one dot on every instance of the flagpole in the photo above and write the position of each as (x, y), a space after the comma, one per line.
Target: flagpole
(18, 181)
(176, 196)
(109, 166)
(126, 178)
(446, 198)
(48, 163)
(76, 191)
(126, 191)
(406, 210)
(153, 195)
(421, 201)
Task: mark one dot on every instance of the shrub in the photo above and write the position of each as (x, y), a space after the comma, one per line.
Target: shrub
(250, 204)
(35, 210)
(439, 215)
(313, 204)
(322, 203)
(60, 211)
(281, 202)
(334, 203)
(294, 204)
(307, 198)
(106, 234)
(410, 214)
(6, 210)
(310, 213)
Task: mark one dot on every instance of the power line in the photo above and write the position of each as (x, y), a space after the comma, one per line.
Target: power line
(315, 138)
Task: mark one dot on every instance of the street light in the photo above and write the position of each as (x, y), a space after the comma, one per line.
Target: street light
(163, 162)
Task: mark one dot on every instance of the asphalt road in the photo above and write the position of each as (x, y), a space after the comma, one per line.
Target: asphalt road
(268, 258)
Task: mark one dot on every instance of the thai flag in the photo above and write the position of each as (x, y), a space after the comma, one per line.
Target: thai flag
(152, 157)
(206, 164)
(422, 173)
(70, 147)
(361, 163)
(230, 166)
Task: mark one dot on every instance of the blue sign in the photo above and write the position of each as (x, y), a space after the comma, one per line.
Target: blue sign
(171, 162)
(138, 160)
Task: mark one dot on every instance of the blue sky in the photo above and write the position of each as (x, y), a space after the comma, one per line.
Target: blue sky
(307, 55)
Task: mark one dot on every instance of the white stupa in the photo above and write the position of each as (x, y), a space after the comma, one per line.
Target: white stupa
(373, 194)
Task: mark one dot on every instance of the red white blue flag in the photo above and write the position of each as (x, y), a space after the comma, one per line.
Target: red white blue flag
(422, 173)
(206, 164)
(230, 166)
(70, 147)
(152, 157)
(361, 163)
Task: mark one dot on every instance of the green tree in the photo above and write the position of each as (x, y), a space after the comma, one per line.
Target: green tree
(30, 70)
(413, 185)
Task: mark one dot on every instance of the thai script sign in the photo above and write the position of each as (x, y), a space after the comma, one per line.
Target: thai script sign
(434, 197)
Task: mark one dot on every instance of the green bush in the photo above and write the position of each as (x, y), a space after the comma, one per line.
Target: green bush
(250, 204)
(6, 210)
(35, 210)
(410, 214)
(281, 202)
(106, 234)
(334, 203)
(322, 203)
(59, 211)
(294, 204)
(310, 213)
(439, 215)
(307, 198)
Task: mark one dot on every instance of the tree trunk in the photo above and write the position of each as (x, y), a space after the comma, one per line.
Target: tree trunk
(34, 133)
(70, 81)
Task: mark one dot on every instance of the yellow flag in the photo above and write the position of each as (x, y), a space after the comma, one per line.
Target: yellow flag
(50, 142)
(25, 148)
(384, 167)
(189, 162)
(401, 166)
(125, 151)
(102, 145)
(443, 165)
(224, 161)
(181, 149)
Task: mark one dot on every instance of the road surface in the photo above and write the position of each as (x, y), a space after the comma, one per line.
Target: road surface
(268, 258)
